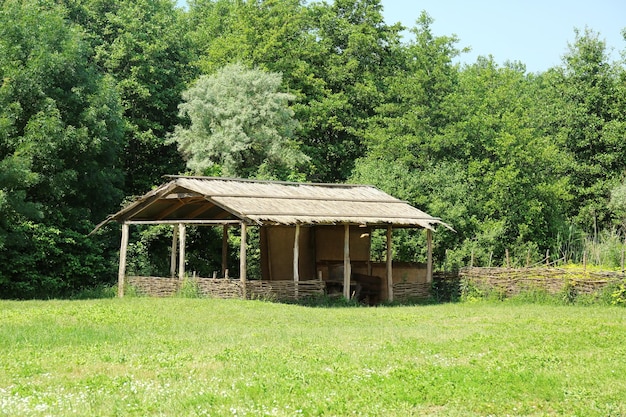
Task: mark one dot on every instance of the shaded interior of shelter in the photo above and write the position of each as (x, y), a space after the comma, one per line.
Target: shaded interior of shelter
(322, 257)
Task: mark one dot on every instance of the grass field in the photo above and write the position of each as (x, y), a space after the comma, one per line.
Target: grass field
(200, 357)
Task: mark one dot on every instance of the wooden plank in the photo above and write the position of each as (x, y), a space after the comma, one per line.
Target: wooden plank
(242, 259)
(429, 261)
(224, 249)
(390, 200)
(182, 232)
(203, 207)
(369, 251)
(296, 260)
(346, 262)
(122, 269)
(355, 216)
(296, 254)
(173, 252)
(264, 252)
(190, 221)
(171, 209)
(389, 265)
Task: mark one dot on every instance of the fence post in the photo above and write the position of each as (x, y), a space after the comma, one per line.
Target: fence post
(547, 257)
(508, 260)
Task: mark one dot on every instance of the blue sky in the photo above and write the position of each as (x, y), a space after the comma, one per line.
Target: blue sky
(534, 32)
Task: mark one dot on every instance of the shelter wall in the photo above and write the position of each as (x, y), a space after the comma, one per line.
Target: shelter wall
(277, 244)
(329, 243)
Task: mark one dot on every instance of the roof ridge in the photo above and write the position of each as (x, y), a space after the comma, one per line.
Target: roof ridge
(313, 184)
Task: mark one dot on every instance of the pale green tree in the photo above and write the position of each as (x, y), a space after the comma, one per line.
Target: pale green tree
(240, 124)
(617, 204)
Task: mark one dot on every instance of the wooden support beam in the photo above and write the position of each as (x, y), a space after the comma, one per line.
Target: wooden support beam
(389, 265)
(369, 252)
(296, 254)
(173, 253)
(187, 221)
(182, 233)
(122, 270)
(346, 262)
(204, 206)
(171, 209)
(429, 261)
(296, 259)
(242, 259)
(224, 249)
(270, 264)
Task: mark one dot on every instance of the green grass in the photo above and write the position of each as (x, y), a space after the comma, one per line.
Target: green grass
(201, 357)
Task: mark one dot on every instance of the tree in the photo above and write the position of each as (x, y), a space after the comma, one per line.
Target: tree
(61, 135)
(414, 95)
(333, 58)
(515, 173)
(143, 45)
(584, 113)
(240, 125)
(617, 204)
(400, 158)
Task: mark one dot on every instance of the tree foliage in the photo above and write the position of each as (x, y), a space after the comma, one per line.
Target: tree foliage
(240, 125)
(99, 99)
(143, 46)
(61, 132)
(587, 120)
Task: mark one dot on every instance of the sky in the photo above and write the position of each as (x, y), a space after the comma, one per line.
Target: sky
(534, 32)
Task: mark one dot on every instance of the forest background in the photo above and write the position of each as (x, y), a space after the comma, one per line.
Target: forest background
(96, 97)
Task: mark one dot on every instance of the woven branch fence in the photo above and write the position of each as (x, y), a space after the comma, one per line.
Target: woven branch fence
(405, 291)
(229, 288)
(512, 281)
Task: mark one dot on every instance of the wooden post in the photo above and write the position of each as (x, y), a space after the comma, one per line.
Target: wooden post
(369, 252)
(508, 259)
(173, 252)
(346, 262)
(389, 265)
(296, 260)
(122, 270)
(181, 250)
(242, 259)
(429, 263)
(585, 260)
(224, 249)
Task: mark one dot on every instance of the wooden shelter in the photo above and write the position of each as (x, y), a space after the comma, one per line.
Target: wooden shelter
(313, 237)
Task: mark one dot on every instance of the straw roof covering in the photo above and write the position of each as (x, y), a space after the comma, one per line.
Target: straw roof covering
(226, 200)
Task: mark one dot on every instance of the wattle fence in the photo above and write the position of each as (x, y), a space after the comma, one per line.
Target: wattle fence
(512, 281)
(228, 288)
(446, 286)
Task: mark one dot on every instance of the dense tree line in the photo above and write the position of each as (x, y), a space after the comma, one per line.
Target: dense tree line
(99, 99)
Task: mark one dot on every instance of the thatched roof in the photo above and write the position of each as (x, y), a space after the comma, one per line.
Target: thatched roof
(224, 200)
